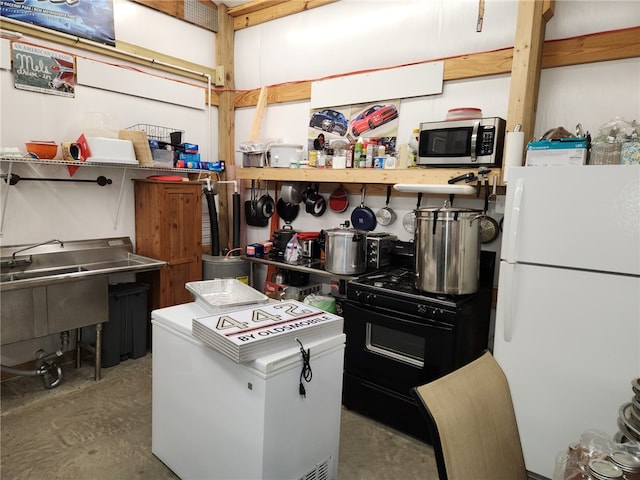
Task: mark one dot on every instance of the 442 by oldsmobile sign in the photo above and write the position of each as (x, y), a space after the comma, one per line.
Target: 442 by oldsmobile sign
(42, 70)
(244, 335)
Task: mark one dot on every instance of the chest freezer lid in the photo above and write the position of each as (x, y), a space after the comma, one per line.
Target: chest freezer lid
(288, 357)
(178, 317)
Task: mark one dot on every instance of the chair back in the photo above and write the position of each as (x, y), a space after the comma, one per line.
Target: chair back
(472, 423)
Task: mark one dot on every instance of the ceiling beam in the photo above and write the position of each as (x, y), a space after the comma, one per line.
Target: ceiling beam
(252, 7)
(273, 12)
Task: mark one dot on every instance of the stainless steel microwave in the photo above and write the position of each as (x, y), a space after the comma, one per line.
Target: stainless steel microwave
(461, 143)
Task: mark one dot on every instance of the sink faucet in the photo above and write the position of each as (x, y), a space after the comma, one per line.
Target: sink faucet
(55, 240)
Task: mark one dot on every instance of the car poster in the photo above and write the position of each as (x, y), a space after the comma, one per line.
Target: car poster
(42, 70)
(376, 121)
(90, 19)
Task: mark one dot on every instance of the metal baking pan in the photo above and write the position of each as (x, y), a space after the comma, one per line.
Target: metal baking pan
(223, 294)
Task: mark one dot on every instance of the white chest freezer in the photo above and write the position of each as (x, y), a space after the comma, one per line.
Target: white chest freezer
(213, 418)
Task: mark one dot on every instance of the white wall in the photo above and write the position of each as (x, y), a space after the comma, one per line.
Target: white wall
(354, 35)
(38, 211)
(339, 38)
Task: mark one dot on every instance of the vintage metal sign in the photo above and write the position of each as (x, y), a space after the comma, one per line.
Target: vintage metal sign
(42, 70)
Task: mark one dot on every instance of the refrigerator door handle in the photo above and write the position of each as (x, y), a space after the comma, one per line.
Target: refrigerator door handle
(506, 293)
(512, 234)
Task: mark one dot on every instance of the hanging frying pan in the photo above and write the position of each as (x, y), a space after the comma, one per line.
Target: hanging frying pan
(362, 217)
(339, 200)
(265, 206)
(287, 211)
(489, 228)
(409, 220)
(386, 216)
(252, 216)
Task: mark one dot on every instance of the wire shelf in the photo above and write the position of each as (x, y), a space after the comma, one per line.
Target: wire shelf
(161, 134)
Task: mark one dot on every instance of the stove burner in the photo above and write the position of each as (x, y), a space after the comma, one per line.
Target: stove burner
(395, 288)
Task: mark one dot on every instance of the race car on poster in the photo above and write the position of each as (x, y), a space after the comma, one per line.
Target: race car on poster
(373, 117)
(329, 121)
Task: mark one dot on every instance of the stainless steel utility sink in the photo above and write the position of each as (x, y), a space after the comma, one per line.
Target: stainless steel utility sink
(47, 272)
(49, 263)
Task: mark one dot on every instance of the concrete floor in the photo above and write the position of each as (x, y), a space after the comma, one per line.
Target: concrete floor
(87, 430)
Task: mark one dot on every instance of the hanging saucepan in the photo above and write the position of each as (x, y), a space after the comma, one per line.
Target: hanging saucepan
(339, 200)
(287, 211)
(489, 228)
(265, 206)
(315, 204)
(362, 217)
(386, 216)
(409, 220)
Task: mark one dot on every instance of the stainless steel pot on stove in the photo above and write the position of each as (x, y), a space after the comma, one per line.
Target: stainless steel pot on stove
(447, 250)
(345, 250)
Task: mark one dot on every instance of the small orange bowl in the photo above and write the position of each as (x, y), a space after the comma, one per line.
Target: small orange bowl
(46, 150)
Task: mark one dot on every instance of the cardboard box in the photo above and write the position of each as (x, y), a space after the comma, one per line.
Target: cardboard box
(553, 153)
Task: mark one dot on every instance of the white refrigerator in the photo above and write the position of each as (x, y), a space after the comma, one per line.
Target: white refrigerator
(213, 418)
(568, 314)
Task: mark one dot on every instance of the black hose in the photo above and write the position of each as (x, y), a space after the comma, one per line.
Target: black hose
(236, 221)
(213, 221)
(18, 371)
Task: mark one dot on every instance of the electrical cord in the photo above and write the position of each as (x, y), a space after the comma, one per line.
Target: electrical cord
(306, 373)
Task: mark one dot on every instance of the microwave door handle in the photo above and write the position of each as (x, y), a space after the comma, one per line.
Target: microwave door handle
(474, 140)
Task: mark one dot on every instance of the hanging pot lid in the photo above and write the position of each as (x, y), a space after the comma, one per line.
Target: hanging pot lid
(339, 200)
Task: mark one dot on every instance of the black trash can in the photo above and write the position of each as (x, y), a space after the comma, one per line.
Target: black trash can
(125, 334)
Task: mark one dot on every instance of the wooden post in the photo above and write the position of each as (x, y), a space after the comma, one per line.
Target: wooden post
(224, 57)
(526, 63)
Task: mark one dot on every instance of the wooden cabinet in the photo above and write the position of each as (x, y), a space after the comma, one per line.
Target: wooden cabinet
(168, 227)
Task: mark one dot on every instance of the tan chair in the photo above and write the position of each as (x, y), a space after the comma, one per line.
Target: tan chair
(472, 423)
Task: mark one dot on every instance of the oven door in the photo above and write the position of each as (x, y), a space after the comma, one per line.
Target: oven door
(396, 351)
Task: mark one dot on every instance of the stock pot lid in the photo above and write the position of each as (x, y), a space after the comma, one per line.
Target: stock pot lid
(344, 232)
(446, 212)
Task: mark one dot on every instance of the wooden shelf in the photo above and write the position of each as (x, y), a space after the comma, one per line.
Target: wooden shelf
(356, 175)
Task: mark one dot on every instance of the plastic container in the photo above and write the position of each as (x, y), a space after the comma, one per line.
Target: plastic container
(463, 113)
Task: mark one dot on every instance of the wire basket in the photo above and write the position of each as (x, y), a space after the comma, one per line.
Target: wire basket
(161, 134)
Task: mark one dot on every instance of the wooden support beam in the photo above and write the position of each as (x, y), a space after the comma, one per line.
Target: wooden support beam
(525, 69)
(226, 122)
(277, 10)
(257, 116)
(253, 7)
(597, 47)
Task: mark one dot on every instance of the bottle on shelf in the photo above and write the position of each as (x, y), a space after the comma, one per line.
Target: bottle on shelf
(357, 153)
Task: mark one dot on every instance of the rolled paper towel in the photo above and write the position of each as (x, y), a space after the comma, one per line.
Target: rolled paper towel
(513, 151)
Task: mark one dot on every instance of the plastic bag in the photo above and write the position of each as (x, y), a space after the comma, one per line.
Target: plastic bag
(293, 250)
(617, 130)
(323, 302)
(612, 138)
(574, 463)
